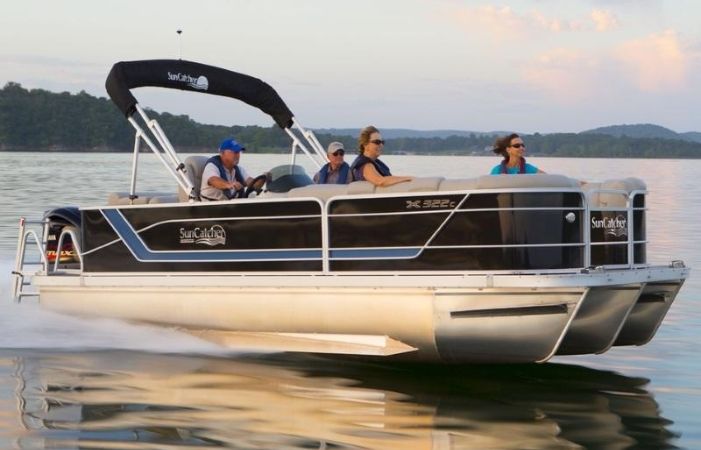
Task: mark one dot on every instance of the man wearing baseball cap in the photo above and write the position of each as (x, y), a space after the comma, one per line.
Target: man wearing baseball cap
(222, 177)
(336, 171)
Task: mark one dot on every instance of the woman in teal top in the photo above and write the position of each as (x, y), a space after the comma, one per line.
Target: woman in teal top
(512, 148)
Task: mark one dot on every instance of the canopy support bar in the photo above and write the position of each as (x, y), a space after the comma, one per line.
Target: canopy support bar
(170, 161)
(134, 166)
(317, 153)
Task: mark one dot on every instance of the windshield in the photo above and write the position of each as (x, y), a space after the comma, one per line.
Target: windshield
(286, 177)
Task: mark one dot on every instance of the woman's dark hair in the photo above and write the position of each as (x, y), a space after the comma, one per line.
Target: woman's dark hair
(502, 143)
(364, 137)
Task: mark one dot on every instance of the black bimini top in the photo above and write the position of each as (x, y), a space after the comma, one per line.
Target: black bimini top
(192, 76)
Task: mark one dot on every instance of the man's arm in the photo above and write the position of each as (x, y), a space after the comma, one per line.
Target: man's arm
(219, 183)
(211, 174)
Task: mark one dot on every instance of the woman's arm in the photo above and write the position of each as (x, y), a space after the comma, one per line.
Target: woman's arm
(371, 175)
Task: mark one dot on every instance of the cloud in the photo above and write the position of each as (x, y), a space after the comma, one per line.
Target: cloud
(497, 19)
(658, 62)
(489, 17)
(604, 20)
(567, 75)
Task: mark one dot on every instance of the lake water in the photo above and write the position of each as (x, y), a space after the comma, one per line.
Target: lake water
(71, 382)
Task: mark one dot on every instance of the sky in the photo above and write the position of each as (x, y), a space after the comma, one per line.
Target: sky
(528, 66)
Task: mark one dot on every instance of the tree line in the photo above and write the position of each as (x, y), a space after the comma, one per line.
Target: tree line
(39, 120)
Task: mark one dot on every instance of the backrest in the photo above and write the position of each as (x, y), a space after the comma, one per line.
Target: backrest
(419, 184)
(608, 199)
(122, 198)
(326, 191)
(320, 191)
(194, 166)
(592, 191)
(360, 188)
(537, 180)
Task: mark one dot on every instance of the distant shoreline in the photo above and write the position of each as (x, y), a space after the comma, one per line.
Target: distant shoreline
(402, 153)
(37, 120)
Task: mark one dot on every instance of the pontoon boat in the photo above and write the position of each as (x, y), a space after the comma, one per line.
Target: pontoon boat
(490, 269)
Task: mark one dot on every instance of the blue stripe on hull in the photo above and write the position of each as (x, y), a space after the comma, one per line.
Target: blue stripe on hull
(141, 252)
(137, 247)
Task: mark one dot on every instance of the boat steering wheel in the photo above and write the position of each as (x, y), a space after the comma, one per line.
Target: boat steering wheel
(253, 188)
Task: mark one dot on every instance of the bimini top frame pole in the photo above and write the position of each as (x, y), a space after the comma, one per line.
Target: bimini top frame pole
(196, 77)
(164, 152)
(316, 154)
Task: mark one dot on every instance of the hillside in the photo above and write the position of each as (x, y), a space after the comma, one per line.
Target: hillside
(693, 136)
(396, 133)
(645, 130)
(39, 120)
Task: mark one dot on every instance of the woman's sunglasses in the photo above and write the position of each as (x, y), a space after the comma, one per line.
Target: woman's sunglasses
(518, 146)
(377, 142)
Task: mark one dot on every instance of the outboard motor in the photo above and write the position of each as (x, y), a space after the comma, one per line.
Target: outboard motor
(62, 220)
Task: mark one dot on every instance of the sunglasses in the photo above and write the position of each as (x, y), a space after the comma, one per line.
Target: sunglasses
(377, 142)
(518, 146)
(339, 152)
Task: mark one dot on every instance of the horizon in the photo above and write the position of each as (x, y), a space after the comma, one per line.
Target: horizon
(538, 66)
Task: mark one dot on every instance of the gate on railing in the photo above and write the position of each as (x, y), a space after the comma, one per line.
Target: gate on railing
(616, 228)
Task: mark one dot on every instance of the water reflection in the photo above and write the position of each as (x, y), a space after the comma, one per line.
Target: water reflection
(134, 400)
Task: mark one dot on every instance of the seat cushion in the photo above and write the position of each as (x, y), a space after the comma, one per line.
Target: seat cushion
(419, 184)
(321, 191)
(122, 198)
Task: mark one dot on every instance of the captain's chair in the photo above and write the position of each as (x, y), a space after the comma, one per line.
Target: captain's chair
(194, 166)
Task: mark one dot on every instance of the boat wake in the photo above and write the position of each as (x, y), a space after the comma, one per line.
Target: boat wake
(27, 326)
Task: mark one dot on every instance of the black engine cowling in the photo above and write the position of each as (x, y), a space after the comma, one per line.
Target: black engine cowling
(60, 219)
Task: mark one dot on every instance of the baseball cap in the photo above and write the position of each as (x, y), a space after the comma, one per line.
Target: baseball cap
(334, 146)
(231, 144)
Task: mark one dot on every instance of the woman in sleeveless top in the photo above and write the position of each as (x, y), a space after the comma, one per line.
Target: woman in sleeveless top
(367, 166)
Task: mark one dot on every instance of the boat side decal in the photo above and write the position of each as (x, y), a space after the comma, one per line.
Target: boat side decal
(141, 252)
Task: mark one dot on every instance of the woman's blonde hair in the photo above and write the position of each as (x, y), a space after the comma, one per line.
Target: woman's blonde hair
(364, 137)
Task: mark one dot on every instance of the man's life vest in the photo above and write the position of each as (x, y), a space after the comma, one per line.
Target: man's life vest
(216, 160)
(342, 173)
(361, 160)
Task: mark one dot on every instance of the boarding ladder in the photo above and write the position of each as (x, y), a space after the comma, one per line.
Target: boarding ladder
(24, 269)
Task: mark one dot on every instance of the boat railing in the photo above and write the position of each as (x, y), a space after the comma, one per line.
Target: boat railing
(611, 235)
